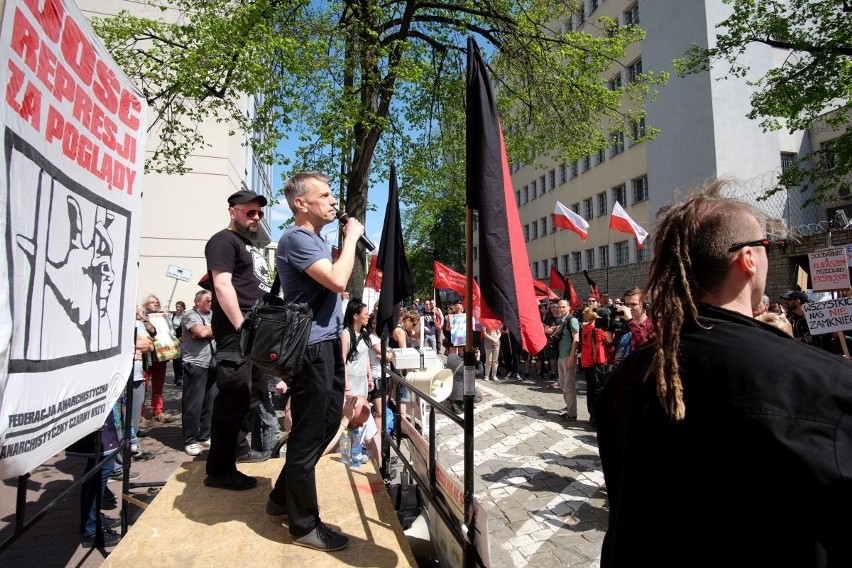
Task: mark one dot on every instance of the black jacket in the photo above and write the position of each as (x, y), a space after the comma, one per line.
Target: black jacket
(759, 473)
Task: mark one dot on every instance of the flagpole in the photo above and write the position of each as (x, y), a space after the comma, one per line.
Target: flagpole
(469, 387)
(608, 242)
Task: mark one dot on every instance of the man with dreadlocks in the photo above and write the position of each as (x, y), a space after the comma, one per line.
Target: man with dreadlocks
(723, 443)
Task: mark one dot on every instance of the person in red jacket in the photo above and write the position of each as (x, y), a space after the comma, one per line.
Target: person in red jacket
(593, 357)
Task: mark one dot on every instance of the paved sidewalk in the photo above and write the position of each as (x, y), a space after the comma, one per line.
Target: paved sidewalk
(538, 476)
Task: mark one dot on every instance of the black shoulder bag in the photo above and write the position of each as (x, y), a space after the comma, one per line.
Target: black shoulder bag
(275, 333)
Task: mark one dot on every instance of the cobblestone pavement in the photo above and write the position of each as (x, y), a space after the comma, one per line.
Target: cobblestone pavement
(538, 476)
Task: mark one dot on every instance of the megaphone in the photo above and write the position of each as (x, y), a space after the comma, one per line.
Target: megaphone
(437, 382)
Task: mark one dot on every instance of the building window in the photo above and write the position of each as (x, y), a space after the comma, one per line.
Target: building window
(526, 233)
(575, 170)
(563, 173)
(542, 223)
(525, 194)
(640, 189)
(533, 190)
(581, 13)
(576, 208)
(603, 255)
(563, 264)
(587, 163)
(541, 185)
(631, 15)
(601, 156)
(617, 143)
(638, 129)
(590, 259)
(533, 230)
(602, 204)
(619, 194)
(826, 151)
(593, 5)
(576, 262)
(535, 270)
(641, 253)
(552, 185)
(787, 159)
(622, 253)
(588, 212)
(615, 83)
(634, 70)
(518, 198)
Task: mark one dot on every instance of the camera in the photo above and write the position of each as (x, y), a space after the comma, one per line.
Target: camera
(608, 320)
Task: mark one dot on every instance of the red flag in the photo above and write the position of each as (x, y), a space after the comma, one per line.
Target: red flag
(557, 281)
(446, 277)
(571, 294)
(374, 275)
(504, 270)
(565, 218)
(542, 292)
(621, 221)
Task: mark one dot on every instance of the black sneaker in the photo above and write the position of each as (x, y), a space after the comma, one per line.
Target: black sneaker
(235, 481)
(107, 539)
(273, 509)
(139, 455)
(323, 538)
(109, 522)
(254, 456)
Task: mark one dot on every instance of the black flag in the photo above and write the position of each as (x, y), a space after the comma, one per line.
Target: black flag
(397, 281)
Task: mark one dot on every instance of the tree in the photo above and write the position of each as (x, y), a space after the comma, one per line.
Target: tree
(810, 89)
(364, 84)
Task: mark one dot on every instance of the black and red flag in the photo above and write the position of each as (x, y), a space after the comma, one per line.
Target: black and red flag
(557, 281)
(571, 294)
(504, 270)
(593, 286)
(397, 281)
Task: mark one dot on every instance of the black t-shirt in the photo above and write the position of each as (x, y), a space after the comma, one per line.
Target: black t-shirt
(229, 252)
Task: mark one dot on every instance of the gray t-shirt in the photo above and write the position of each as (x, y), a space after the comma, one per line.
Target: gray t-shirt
(197, 351)
(297, 250)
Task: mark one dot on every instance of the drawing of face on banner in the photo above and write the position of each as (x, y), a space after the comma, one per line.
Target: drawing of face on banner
(68, 249)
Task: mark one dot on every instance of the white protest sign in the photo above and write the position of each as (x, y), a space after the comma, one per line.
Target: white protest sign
(829, 316)
(74, 132)
(849, 256)
(179, 273)
(829, 269)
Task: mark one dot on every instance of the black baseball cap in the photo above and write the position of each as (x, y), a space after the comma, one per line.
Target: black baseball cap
(795, 295)
(244, 196)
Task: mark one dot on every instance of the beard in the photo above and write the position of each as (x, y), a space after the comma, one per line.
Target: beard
(247, 231)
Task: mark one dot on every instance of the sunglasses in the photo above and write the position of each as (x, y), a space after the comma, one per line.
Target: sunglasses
(251, 213)
(758, 243)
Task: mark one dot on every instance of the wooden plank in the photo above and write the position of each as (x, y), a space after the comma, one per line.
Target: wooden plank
(189, 524)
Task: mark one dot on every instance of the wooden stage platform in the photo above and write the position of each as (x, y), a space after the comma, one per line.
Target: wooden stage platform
(189, 524)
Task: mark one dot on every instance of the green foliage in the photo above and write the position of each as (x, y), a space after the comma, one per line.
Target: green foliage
(361, 85)
(809, 89)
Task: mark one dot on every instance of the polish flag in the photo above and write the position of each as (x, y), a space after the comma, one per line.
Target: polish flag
(621, 221)
(564, 218)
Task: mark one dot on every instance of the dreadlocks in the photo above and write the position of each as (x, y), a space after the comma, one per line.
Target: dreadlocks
(691, 259)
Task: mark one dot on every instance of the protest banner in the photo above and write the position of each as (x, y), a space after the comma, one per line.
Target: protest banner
(830, 316)
(829, 269)
(74, 137)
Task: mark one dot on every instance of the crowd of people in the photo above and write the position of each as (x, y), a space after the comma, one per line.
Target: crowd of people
(644, 356)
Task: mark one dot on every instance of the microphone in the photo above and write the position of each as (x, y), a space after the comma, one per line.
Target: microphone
(343, 217)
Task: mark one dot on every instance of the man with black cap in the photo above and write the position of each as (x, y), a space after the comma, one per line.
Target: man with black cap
(240, 277)
(794, 301)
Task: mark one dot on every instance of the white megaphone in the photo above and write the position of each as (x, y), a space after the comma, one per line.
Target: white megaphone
(437, 382)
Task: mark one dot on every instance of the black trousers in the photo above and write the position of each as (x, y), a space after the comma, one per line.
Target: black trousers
(199, 392)
(316, 406)
(234, 377)
(594, 382)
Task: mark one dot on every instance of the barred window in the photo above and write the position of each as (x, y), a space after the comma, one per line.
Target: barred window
(641, 253)
(590, 259)
(587, 163)
(638, 129)
(576, 262)
(622, 253)
(640, 189)
(634, 70)
(619, 194)
(575, 170)
(617, 143)
(563, 173)
(552, 174)
(601, 156)
(603, 208)
(787, 159)
(603, 254)
(588, 212)
(631, 15)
